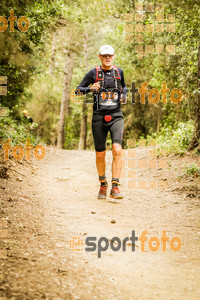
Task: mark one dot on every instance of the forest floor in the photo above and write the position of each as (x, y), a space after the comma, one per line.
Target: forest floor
(46, 204)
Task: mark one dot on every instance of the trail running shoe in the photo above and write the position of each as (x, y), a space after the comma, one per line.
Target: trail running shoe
(115, 193)
(103, 191)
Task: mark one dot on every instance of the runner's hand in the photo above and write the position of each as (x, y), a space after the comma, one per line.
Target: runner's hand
(95, 87)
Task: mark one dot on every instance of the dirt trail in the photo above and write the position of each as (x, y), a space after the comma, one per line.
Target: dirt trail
(57, 200)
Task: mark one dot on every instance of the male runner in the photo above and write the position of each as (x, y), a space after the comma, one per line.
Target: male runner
(108, 87)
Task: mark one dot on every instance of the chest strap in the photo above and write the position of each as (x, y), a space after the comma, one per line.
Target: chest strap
(100, 77)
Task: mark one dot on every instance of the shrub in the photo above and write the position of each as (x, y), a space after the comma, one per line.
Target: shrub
(16, 130)
(176, 140)
(192, 170)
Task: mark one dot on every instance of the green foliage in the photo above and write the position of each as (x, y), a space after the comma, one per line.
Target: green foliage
(72, 131)
(55, 25)
(176, 139)
(43, 103)
(19, 50)
(192, 170)
(17, 131)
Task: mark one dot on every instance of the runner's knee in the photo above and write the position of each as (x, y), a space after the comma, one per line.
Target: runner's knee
(117, 150)
(100, 155)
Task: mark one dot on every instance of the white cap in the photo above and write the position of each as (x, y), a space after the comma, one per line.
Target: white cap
(106, 49)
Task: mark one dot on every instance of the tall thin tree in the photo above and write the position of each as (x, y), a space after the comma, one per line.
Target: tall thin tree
(83, 132)
(195, 142)
(64, 110)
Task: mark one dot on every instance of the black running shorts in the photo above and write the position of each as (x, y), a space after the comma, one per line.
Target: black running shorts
(100, 130)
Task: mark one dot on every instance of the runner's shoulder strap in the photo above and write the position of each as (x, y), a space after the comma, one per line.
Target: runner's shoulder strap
(117, 78)
(116, 73)
(100, 76)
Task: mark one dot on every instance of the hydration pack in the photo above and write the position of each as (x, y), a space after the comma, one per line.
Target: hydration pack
(100, 77)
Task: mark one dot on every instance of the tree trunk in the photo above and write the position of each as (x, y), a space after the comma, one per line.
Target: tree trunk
(65, 97)
(52, 59)
(83, 132)
(158, 112)
(195, 142)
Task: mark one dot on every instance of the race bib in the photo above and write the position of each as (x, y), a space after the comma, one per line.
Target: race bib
(108, 98)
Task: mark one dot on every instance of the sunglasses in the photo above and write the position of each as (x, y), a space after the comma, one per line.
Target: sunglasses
(106, 55)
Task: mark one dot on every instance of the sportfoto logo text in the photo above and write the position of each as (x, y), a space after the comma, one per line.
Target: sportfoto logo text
(18, 151)
(23, 23)
(153, 95)
(116, 244)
